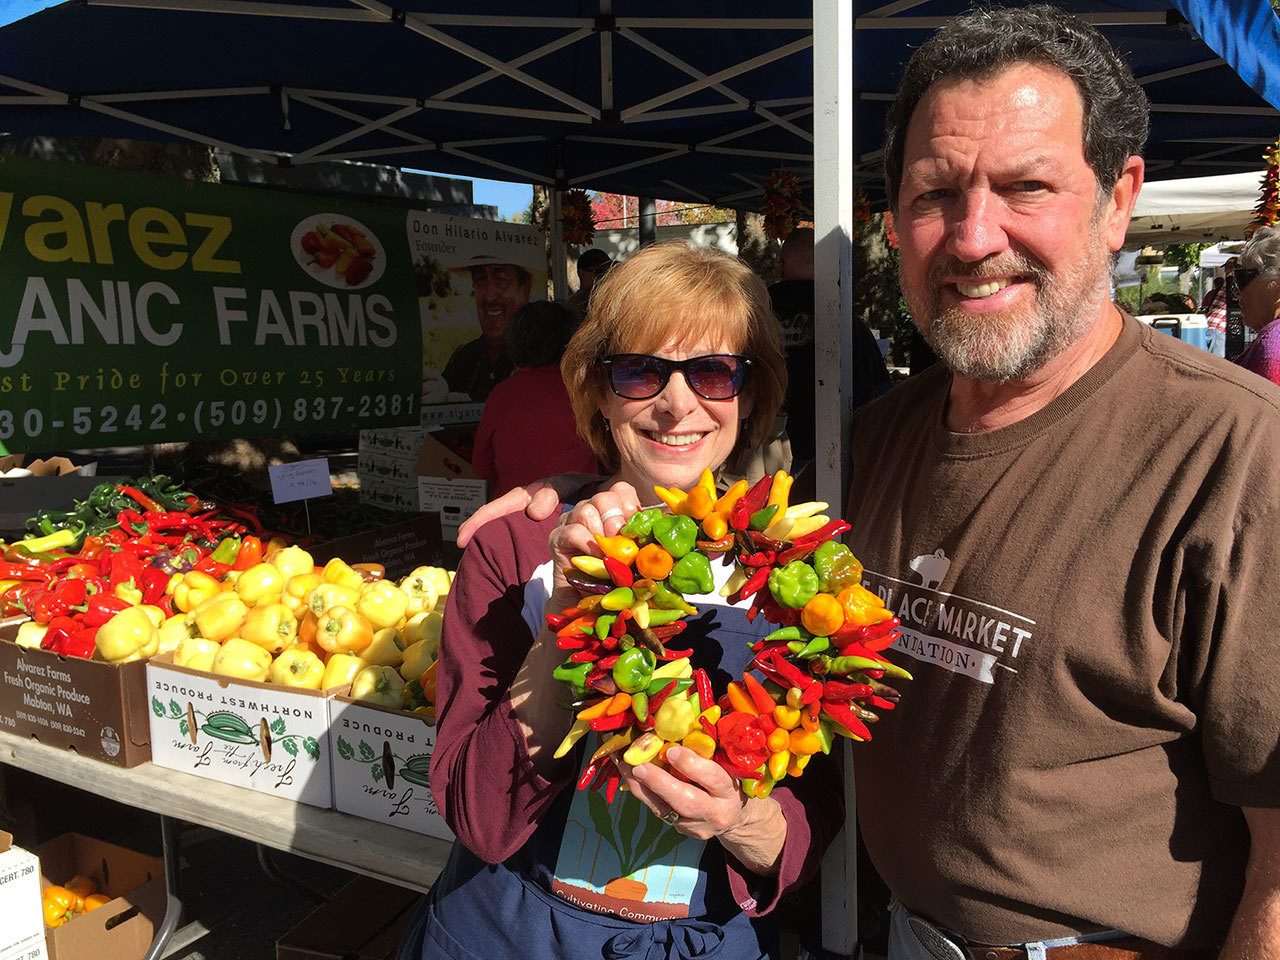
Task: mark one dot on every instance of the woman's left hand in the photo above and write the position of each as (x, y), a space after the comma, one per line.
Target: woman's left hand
(708, 804)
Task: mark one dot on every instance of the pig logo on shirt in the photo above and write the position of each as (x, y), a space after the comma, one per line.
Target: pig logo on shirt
(932, 568)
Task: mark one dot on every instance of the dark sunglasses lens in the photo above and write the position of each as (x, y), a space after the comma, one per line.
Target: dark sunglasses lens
(716, 378)
(1244, 276)
(637, 377)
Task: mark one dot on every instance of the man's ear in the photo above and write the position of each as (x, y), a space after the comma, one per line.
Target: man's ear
(1119, 206)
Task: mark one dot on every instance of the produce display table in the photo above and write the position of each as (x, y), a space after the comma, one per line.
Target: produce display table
(376, 850)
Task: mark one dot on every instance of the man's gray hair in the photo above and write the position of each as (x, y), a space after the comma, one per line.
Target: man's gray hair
(1262, 253)
(983, 42)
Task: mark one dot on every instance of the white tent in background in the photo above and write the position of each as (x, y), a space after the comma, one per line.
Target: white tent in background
(1198, 210)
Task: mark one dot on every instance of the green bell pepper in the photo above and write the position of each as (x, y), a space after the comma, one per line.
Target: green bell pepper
(678, 535)
(640, 527)
(837, 567)
(793, 585)
(692, 574)
(634, 669)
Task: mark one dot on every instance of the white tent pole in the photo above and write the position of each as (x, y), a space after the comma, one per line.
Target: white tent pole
(833, 162)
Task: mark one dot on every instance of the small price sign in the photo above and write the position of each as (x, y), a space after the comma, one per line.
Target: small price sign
(300, 480)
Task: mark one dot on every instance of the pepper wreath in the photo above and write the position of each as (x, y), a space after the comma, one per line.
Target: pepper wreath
(822, 668)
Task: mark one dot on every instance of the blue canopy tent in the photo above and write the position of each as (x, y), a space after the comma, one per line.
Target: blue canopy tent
(651, 97)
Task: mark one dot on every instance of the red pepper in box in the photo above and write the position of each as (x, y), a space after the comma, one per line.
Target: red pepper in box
(102, 607)
(60, 628)
(25, 571)
(58, 600)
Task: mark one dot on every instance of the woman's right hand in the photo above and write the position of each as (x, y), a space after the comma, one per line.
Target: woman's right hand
(604, 514)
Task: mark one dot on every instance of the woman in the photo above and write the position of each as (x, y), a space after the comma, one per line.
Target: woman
(678, 361)
(1257, 280)
(527, 430)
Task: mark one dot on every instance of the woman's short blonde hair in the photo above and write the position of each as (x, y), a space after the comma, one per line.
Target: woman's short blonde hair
(673, 292)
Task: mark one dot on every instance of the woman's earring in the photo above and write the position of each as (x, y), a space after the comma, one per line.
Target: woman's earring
(608, 427)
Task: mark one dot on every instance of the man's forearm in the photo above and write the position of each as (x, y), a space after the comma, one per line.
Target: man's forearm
(1255, 931)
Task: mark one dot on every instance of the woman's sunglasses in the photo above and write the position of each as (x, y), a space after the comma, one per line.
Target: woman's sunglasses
(1243, 276)
(641, 376)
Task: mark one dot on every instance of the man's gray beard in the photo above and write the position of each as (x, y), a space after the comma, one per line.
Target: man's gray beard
(1010, 347)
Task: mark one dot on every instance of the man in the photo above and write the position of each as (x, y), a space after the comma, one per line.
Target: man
(1078, 522)
(592, 265)
(500, 289)
(792, 298)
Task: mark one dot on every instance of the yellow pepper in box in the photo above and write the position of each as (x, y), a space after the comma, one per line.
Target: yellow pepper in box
(189, 590)
(128, 592)
(293, 562)
(417, 658)
(298, 668)
(83, 887)
(296, 589)
(94, 901)
(129, 635)
(325, 595)
(425, 626)
(219, 618)
(157, 615)
(378, 685)
(173, 631)
(387, 649)
(262, 583)
(58, 905)
(422, 586)
(339, 571)
(242, 659)
(271, 626)
(342, 630)
(341, 670)
(382, 603)
(30, 634)
(196, 653)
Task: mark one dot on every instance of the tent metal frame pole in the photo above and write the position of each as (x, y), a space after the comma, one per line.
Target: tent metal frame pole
(559, 253)
(357, 132)
(833, 164)
(159, 95)
(525, 58)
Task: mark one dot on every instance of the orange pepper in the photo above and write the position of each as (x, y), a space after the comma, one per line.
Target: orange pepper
(250, 554)
(622, 549)
(823, 615)
(342, 630)
(740, 700)
(699, 503)
(715, 526)
(725, 504)
(653, 562)
(862, 608)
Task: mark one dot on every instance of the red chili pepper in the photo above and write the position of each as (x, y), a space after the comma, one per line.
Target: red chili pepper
(755, 498)
(665, 631)
(744, 740)
(616, 722)
(881, 703)
(165, 603)
(619, 572)
(606, 663)
(702, 682)
(606, 767)
(58, 600)
(152, 584)
(619, 625)
(789, 672)
(610, 642)
(774, 612)
(129, 520)
(589, 774)
(842, 690)
(584, 656)
(24, 571)
(842, 715)
(212, 567)
(611, 788)
(812, 693)
(732, 769)
(669, 654)
(759, 696)
(855, 649)
(798, 552)
(739, 518)
(573, 643)
(761, 558)
(17, 599)
(140, 498)
(824, 533)
(759, 577)
(709, 728)
(557, 620)
(658, 698)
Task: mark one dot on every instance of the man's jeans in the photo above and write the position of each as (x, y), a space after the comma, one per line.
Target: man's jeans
(912, 938)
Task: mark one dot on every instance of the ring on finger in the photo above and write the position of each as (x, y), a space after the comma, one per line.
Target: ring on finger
(670, 817)
(610, 514)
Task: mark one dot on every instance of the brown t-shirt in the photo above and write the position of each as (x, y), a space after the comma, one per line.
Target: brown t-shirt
(1089, 602)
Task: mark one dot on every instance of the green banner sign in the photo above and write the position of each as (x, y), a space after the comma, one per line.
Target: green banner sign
(136, 308)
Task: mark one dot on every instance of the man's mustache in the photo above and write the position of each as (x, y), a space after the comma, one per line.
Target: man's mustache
(1005, 265)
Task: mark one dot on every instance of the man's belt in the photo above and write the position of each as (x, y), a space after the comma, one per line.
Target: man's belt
(1128, 948)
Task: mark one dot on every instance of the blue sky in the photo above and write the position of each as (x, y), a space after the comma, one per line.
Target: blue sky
(509, 198)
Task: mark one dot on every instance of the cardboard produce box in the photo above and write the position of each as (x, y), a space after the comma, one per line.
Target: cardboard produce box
(380, 760)
(446, 483)
(400, 547)
(366, 920)
(97, 709)
(21, 916)
(55, 484)
(121, 929)
(257, 735)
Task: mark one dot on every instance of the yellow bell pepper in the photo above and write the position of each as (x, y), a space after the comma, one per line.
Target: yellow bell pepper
(57, 904)
(296, 589)
(82, 887)
(94, 901)
(173, 631)
(196, 653)
(297, 668)
(189, 590)
(219, 618)
(128, 592)
(293, 562)
(417, 658)
(421, 587)
(387, 649)
(325, 595)
(271, 626)
(30, 634)
(342, 630)
(260, 584)
(129, 635)
(382, 603)
(378, 685)
(339, 571)
(424, 626)
(242, 659)
(157, 615)
(341, 670)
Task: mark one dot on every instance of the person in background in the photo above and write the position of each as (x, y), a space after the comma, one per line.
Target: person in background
(792, 298)
(500, 289)
(592, 265)
(1214, 294)
(1215, 318)
(1257, 279)
(527, 430)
